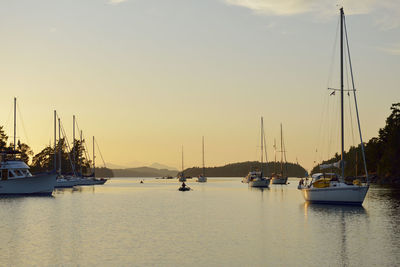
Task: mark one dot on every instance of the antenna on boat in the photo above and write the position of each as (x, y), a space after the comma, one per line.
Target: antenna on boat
(73, 139)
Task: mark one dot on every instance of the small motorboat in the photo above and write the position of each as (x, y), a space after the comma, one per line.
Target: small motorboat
(184, 188)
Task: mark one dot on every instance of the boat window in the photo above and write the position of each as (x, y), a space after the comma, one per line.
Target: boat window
(11, 174)
(18, 173)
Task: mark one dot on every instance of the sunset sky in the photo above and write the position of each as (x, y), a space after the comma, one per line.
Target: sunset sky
(146, 77)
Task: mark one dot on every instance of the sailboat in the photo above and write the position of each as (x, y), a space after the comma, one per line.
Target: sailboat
(330, 187)
(182, 177)
(63, 181)
(16, 178)
(92, 180)
(279, 178)
(202, 177)
(257, 178)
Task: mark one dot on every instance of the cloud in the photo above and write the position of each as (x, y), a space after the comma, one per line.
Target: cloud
(386, 13)
(116, 2)
(393, 49)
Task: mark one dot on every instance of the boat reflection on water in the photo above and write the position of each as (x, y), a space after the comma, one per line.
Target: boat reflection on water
(339, 222)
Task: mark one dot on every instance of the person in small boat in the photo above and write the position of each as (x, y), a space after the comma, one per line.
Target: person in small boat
(183, 185)
(141, 181)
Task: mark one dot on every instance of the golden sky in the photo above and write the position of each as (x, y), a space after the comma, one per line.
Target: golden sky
(146, 77)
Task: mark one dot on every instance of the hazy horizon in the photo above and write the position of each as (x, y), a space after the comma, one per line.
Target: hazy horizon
(146, 77)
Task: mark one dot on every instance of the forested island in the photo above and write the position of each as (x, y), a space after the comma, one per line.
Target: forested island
(382, 154)
(241, 169)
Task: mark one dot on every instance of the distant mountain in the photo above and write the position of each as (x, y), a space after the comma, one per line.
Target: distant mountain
(160, 166)
(143, 172)
(241, 169)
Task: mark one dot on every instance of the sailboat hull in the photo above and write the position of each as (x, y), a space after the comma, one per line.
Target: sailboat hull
(350, 194)
(202, 179)
(282, 180)
(35, 185)
(260, 182)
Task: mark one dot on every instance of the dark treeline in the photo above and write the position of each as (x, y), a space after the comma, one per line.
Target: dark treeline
(382, 153)
(44, 160)
(241, 169)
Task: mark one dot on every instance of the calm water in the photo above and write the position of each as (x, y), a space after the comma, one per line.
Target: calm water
(222, 222)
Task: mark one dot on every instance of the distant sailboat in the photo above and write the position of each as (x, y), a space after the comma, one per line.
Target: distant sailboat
(280, 178)
(202, 177)
(257, 179)
(330, 187)
(182, 177)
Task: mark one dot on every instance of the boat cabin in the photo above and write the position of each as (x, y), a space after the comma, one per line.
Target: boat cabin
(14, 169)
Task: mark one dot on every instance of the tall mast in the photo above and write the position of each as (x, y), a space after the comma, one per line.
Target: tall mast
(281, 152)
(73, 139)
(55, 140)
(94, 163)
(275, 155)
(204, 172)
(82, 153)
(60, 146)
(15, 122)
(262, 146)
(341, 90)
(182, 163)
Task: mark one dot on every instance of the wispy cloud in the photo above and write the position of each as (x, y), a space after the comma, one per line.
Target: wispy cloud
(393, 49)
(116, 2)
(385, 12)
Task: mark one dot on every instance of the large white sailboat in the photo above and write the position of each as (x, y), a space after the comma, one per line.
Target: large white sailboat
(257, 178)
(330, 187)
(16, 178)
(280, 178)
(202, 177)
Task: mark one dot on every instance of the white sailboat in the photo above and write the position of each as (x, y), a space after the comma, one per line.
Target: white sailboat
(257, 179)
(182, 177)
(202, 177)
(329, 187)
(92, 180)
(280, 178)
(63, 181)
(16, 178)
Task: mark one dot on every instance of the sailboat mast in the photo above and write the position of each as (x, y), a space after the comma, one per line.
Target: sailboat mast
(275, 155)
(73, 139)
(60, 146)
(182, 163)
(55, 140)
(341, 90)
(15, 121)
(281, 152)
(82, 152)
(204, 172)
(262, 146)
(94, 162)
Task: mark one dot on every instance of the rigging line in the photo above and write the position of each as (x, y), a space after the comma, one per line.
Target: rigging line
(266, 155)
(348, 94)
(84, 146)
(22, 123)
(356, 106)
(98, 148)
(68, 149)
(333, 55)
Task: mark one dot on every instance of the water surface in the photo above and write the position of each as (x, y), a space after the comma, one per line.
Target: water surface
(222, 222)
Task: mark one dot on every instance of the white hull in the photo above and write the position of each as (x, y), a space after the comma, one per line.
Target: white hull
(91, 181)
(264, 182)
(39, 184)
(66, 183)
(202, 179)
(344, 194)
(282, 180)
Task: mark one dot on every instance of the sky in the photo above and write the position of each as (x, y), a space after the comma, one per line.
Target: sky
(147, 77)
